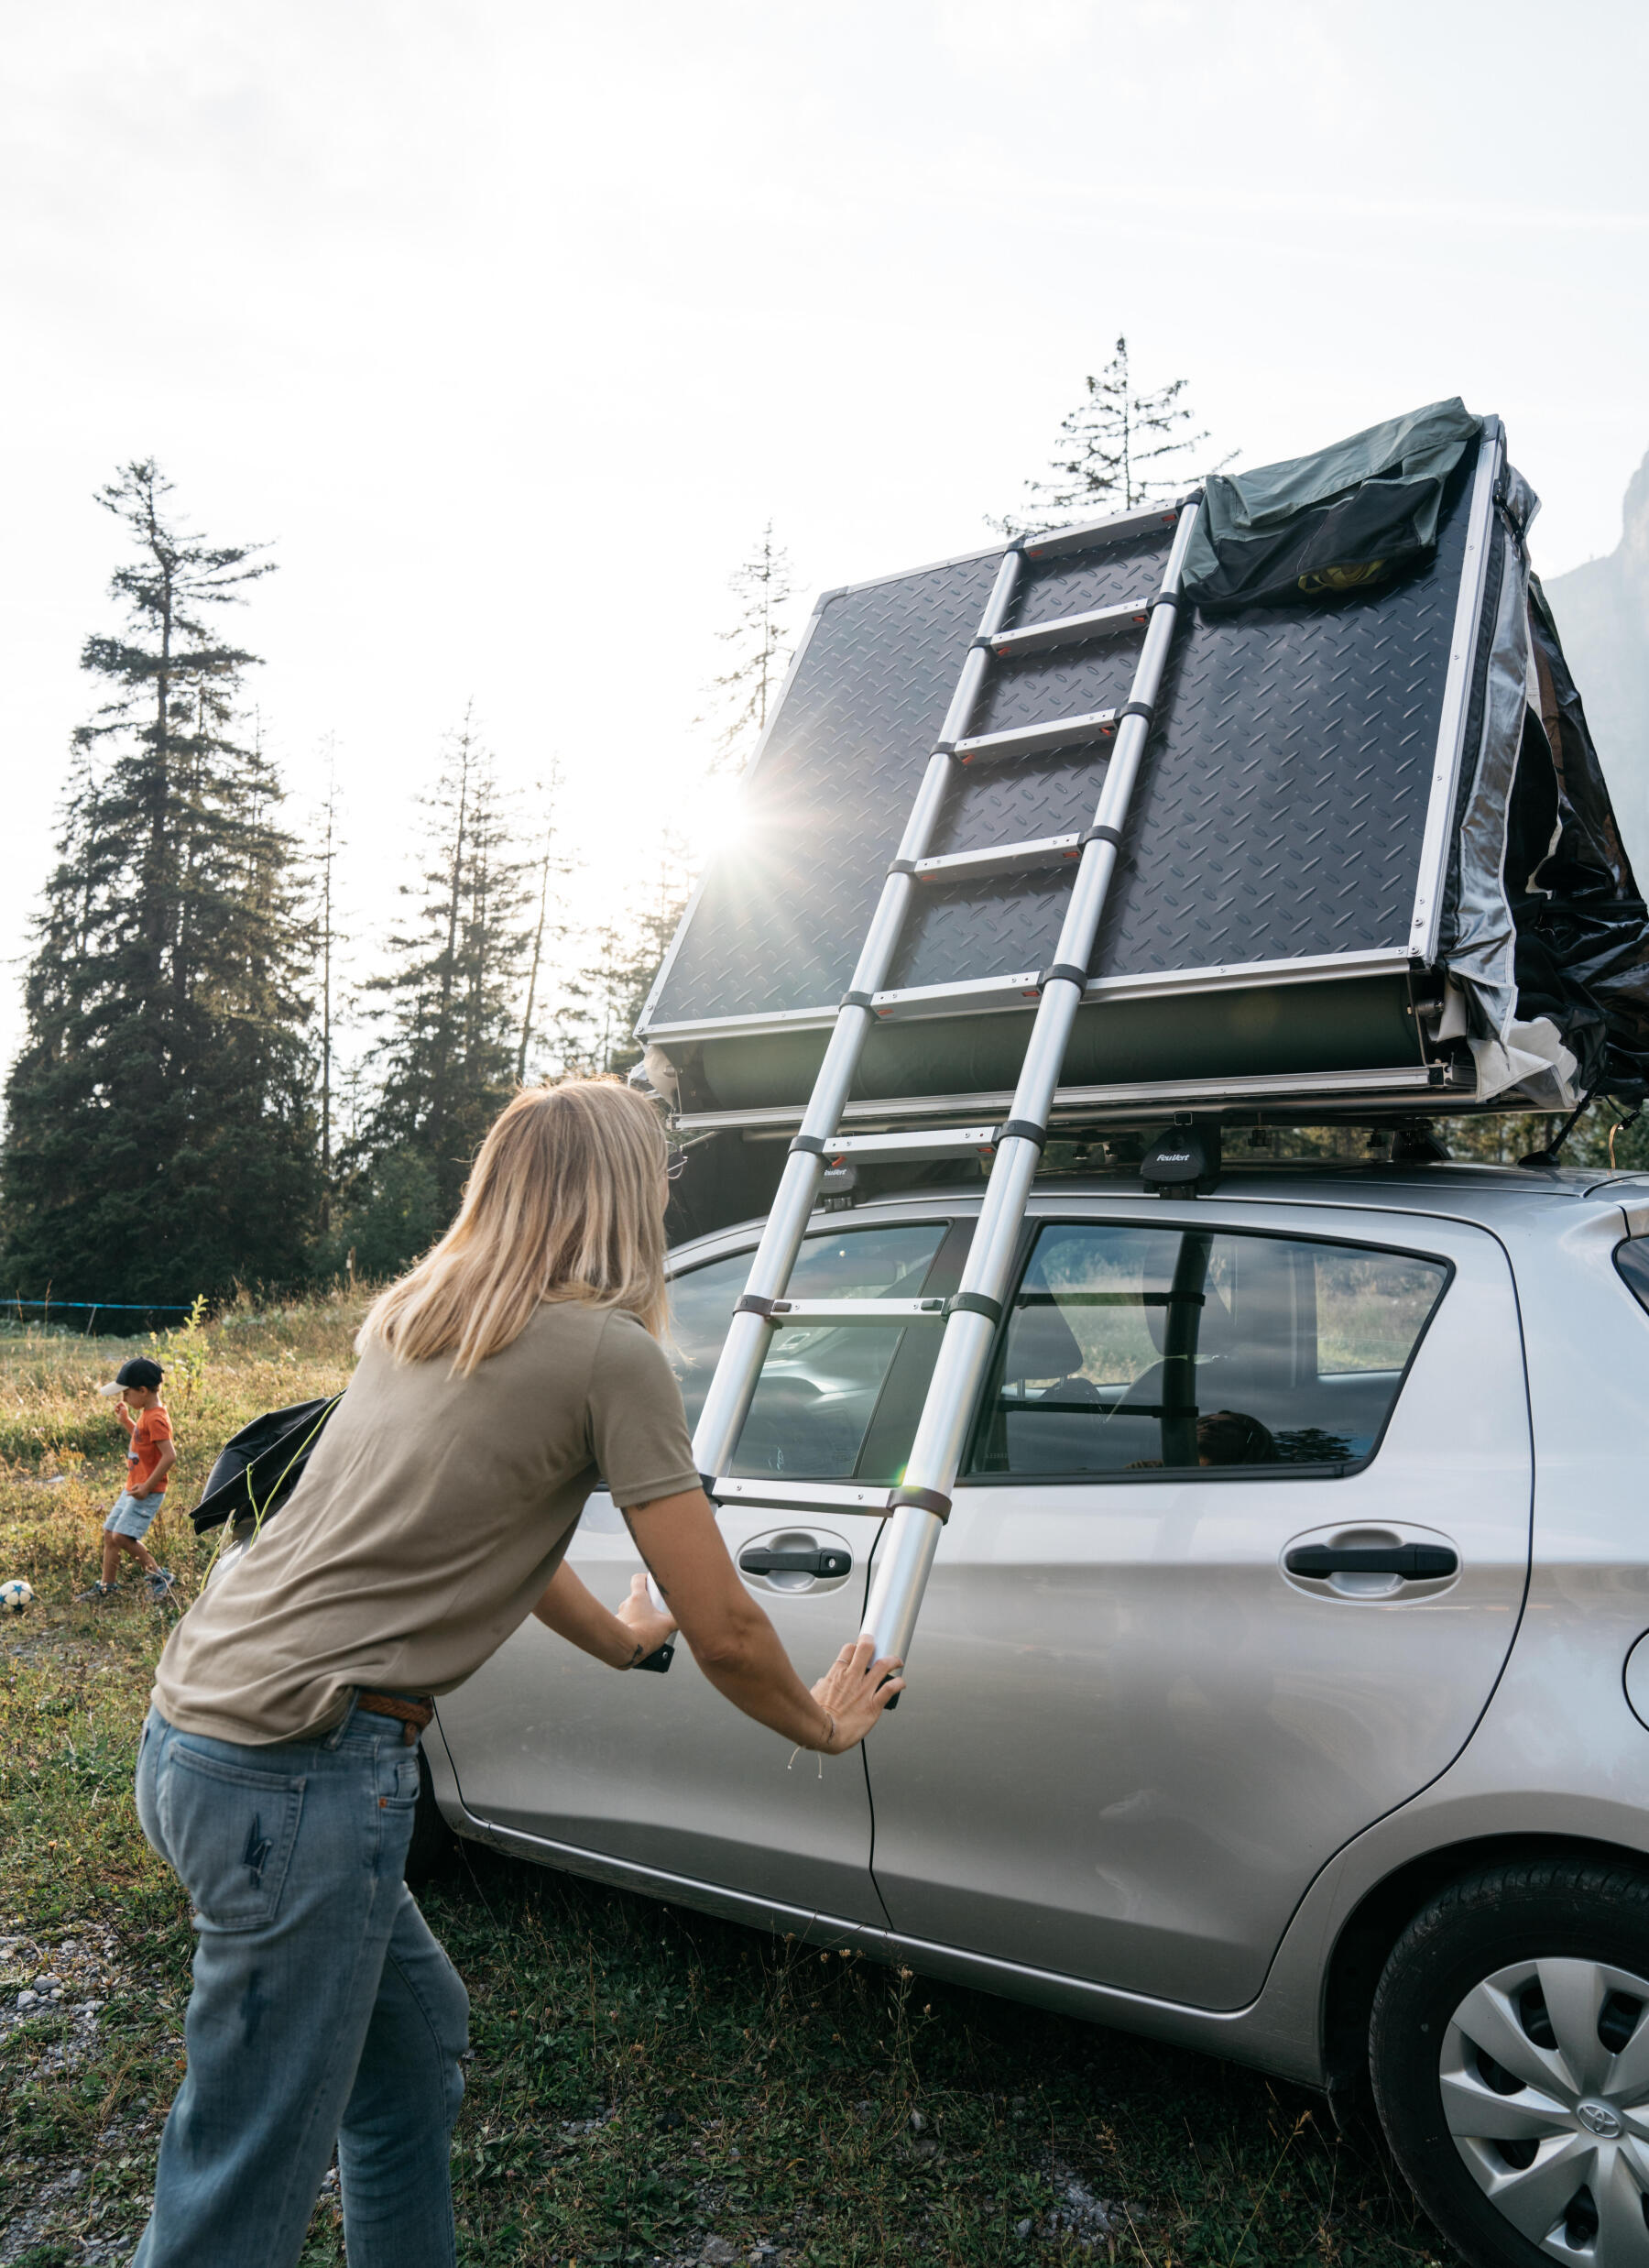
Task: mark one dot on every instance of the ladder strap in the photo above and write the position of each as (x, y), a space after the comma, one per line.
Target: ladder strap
(924, 1500)
(857, 1000)
(811, 1146)
(903, 866)
(1164, 599)
(945, 748)
(982, 644)
(1068, 971)
(1021, 1130)
(1102, 835)
(1146, 709)
(753, 1303)
(974, 1303)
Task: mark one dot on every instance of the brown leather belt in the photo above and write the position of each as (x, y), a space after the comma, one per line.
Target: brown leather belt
(413, 1715)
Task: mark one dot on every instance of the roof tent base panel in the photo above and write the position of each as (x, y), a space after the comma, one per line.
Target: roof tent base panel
(1264, 1031)
(1371, 776)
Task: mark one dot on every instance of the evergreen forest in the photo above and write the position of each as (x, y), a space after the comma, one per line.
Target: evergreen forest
(181, 1117)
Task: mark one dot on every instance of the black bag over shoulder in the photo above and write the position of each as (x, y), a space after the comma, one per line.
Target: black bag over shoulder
(257, 1469)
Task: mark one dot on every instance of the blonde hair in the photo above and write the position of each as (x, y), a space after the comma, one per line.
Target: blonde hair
(566, 1202)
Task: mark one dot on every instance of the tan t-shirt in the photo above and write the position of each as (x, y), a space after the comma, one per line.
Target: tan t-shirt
(431, 1513)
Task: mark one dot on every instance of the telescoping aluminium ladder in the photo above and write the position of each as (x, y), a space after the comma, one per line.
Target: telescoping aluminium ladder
(920, 1504)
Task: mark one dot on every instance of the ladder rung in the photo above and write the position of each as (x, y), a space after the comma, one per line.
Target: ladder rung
(823, 1495)
(1092, 532)
(1011, 859)
(1028, 739)
(816, 1314)
(944, 1142)
(952, 1000)
(1071, 629)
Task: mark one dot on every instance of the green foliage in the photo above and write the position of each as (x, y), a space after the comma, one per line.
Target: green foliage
(159, 1134)
(450, 1016)
(760, 638)
(594, 1030)
(1116, 448)
(394, 1214)
(182, 1353)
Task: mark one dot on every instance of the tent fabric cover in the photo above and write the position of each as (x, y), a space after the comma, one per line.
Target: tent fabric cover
(1338, 519)
(257, 1468)
(1545, 933)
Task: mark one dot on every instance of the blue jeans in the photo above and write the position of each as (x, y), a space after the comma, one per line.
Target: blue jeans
(322, 2011)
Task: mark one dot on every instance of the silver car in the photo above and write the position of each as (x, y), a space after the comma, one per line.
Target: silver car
(1283, 1685)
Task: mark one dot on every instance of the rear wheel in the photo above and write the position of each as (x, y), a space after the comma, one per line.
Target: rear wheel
(1510, 2053)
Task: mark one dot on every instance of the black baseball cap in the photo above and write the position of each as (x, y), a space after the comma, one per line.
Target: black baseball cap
(139, 1371)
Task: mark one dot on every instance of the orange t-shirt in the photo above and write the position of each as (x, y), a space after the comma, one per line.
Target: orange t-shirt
(152, 1428)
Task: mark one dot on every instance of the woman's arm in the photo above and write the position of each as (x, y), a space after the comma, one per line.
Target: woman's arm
(737, 1648)
(620, 1640)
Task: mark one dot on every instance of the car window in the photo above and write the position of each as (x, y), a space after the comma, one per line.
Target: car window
(1631, 1263)
(1131, 1350)
(819, 1389)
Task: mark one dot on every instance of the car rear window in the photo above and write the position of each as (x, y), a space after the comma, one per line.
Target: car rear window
(1131, 1350)
(1631, 1260)
(819, 1389)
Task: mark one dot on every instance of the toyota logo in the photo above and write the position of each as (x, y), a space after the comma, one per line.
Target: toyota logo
(1599, 2119)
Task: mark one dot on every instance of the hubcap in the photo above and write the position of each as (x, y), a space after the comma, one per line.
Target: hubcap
(1545, 2072)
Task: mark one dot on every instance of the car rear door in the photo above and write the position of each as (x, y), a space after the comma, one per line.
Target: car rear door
(661, 1770)
(1154, 1689)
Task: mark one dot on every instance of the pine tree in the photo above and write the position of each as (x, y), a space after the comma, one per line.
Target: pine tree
(1112, 450)
(548, 867)
(328, 947)
(760, 638)
(449, 1014)
(159, 1135)
(602, 1001)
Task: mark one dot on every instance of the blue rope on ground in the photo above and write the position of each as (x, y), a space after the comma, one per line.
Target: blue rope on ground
(116, 1307)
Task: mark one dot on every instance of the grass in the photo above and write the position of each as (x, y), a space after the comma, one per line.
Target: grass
(648, 2085)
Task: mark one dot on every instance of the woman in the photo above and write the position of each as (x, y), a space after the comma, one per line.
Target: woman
(515, 1366)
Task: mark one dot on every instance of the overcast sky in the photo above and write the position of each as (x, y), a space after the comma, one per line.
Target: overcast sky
(510, 325)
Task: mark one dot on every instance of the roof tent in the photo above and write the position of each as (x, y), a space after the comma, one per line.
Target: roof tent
(1368, 866)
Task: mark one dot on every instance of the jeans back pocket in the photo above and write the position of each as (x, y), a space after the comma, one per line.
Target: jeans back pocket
(230, 1833)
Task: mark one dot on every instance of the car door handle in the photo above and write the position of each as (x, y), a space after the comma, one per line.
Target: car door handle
(1417, 1563)
(757, 1561)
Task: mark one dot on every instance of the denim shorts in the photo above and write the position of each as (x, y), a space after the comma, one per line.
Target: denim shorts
(130, 1516)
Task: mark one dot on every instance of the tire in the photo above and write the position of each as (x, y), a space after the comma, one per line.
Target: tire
(432, 1840)
(1510, 2032)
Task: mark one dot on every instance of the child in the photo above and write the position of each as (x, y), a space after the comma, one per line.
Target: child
(149, 1458)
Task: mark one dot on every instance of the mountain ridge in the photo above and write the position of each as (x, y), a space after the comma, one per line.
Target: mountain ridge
(1602, 612)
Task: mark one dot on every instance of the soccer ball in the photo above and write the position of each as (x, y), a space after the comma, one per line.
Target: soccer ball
(15, 1596)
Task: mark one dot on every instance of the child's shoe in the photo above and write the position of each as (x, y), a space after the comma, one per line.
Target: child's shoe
(159, 1582)
(98, 1595)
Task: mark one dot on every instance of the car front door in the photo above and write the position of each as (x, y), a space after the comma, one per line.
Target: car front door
(661, 1770)
(1239, 1560)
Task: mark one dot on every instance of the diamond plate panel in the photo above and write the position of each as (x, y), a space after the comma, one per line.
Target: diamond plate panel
(1280, 811)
